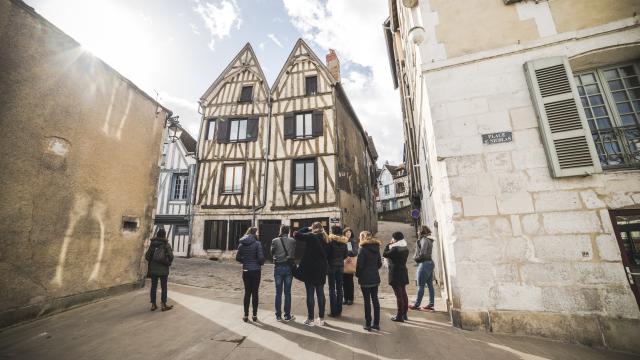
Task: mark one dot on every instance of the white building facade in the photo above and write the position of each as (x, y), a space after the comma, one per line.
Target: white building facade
(526, 127)
(393, 188)
(175, 188)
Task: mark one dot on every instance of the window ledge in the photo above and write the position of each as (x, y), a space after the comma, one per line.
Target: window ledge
(304, 191)
(305, 138)
(231, 193)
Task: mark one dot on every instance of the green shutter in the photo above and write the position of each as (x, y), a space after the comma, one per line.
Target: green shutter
(563, 125)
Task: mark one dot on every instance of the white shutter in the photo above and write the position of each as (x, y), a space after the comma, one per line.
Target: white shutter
(563, 125)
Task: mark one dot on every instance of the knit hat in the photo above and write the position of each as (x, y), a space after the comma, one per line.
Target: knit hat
(162, 234)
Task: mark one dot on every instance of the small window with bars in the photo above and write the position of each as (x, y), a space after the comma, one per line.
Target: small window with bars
(246, 94)
(180, 184)
(610, 97)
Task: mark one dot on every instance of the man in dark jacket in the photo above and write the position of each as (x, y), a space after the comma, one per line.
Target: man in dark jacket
(424, 274)
(397, 252)
(369, 262)
(283, 249)
(251, 256)
(337, 254)
(160, 256)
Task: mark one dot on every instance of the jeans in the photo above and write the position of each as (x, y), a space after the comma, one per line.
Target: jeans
(251, 280)
(283, 276)
(425, 277)
(154, 288)
(335, 290)
(401, 299)
(348, 286)
(370, 295)
(317, 290)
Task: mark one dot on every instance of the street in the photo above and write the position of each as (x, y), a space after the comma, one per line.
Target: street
(206, 323)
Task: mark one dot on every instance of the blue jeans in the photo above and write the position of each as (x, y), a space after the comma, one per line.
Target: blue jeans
(317, 290)
(424, 276)
(335, 290)
(154, 288)
(283, 276)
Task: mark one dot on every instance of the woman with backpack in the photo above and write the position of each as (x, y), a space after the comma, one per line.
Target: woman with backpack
(160, 256)
(369, 262)
(349, 266)
(397, 252)
(424, 274)
(252, 258)
(313, 268)
(337, 254)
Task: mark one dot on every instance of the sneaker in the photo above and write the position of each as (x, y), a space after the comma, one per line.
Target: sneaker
(309, 322)
(397, 318)
(289, 318)
(278, 319)
(375, 327)
(254, 318)
(245, 318)
(367, 327)
(154, 307)
(321, 321)
(413, 307)
(428, 308)
(333, 315)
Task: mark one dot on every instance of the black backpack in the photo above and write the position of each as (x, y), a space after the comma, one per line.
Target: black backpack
(161, 256)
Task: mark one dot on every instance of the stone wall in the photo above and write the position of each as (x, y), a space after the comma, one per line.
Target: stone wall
(526, 253)
(79, 155)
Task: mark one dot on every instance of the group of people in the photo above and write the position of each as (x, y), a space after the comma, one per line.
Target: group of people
(334, 258)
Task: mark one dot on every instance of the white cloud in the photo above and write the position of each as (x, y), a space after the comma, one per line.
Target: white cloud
(186, 109)
(219, 17)
(261, 46)
(194, 28)
(354, 29)
(274, 39)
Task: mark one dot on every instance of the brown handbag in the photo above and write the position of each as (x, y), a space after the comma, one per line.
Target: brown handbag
(350, 265)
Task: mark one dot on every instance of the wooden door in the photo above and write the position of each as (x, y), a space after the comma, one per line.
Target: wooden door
(268, 230)
(180, 239)
(626, 224)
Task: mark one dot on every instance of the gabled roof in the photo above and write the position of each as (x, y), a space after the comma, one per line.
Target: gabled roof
(188, 141)
(314, 57)
(224, 73)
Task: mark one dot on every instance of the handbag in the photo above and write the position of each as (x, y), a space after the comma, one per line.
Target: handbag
(350, 265)
(290, 262)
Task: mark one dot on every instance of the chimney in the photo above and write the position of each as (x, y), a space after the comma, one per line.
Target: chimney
(333, 64)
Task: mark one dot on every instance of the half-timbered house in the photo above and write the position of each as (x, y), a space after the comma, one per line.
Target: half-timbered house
(292, 154)
(173, 204)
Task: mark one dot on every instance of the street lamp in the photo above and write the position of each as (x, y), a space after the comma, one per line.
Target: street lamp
(173, 128)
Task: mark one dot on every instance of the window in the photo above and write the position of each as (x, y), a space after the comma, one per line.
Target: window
(181, 230)
(130, 223)
(304, 125)
(246, 94)
(237, 229)
(386, 189)
(611, 100)
(215, 235)
(211, 129)
(311, 85)
(304, 175)
(232, 183)
(399, 188)
(238, 130)
(165, 148)
(180, 184)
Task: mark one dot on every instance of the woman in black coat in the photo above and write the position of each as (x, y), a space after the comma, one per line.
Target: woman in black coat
(369, 262)
(347, 278)
(251, 256)
(313, 268)
(397, 252)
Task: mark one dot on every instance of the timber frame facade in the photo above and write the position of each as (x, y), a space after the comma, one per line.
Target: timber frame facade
(290, 154)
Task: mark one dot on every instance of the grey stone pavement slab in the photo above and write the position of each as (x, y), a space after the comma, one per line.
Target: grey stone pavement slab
(206, 324)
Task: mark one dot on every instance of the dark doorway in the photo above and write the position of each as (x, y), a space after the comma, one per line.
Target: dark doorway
(268, 230)
(626, 224)
(297, 224)
(237, 229)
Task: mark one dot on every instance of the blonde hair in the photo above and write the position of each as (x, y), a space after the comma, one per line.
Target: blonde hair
(365, 235)
(317, 228)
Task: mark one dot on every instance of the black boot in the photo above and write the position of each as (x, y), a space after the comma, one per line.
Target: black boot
(166, 307)
(154, 307)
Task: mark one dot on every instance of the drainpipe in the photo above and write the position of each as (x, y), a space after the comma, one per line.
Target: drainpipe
(266, 160)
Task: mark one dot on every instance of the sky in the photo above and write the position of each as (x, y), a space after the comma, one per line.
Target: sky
(174, 49)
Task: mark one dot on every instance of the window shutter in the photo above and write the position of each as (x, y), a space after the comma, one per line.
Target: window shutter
(289, 126)
(563, 125)
(252, 128)
(317, 123)
(222, 132)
